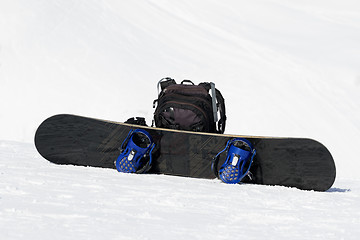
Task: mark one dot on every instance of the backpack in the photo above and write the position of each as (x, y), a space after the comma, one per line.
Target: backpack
(190, 107)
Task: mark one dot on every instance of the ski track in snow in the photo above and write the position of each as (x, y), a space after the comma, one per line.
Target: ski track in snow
(41, 200)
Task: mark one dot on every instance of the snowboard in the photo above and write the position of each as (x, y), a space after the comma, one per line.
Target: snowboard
(293, 162)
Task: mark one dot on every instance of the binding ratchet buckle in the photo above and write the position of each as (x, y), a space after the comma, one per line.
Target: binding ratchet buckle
(135, 152)
(240, 154)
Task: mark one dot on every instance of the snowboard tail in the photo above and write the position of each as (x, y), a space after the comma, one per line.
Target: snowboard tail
(295, 162)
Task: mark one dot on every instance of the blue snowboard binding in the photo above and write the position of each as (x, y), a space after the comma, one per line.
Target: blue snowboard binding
(136, 152)
(240, 154)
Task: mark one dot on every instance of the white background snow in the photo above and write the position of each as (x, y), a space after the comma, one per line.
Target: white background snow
(285, 68)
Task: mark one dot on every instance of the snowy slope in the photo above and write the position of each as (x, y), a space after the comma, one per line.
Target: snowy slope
(285, 68)
(40, 200)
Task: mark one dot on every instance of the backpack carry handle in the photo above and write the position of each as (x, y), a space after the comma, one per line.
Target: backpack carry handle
(187, 81)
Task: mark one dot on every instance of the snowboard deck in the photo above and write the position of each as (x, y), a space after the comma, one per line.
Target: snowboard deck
(294, 162)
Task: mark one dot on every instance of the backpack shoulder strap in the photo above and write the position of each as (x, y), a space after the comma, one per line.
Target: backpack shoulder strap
(220, 106)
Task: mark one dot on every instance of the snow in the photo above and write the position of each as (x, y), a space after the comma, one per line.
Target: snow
(43, 200)
(285, 68)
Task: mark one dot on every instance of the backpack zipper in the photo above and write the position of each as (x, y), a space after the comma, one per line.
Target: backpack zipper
(193, 105)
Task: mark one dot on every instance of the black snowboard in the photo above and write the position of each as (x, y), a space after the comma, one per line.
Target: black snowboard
(294, 162)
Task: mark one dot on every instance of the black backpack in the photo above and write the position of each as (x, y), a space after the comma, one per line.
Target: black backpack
(189, 107)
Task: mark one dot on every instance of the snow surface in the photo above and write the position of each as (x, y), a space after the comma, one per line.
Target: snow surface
(285, 68)
(41, 200)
